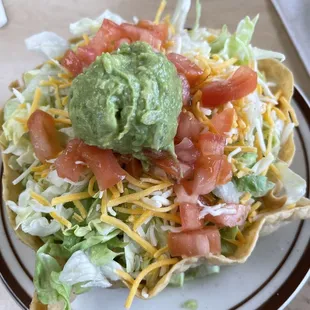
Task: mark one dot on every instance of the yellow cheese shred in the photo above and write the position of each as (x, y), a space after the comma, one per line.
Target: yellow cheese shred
(60, 219)
(86, 38)
(65, 85)
(40, 168)
(115, 193)
(90, 188)
(255, 206)
(131, 234)
(246, 196)
(280, 114)
(154, 209)
(161, 251)
(43, 201)
(36, 99)
(143, 273)
(160, 11)
(230, 148)
(136, 182)
(288, 107)
(241, 237)
(59, 112)
(66, 121)
(127, 277)
(124, 210)
(120, 187)
(65, 100)
(138, 195)
(81, 208)
(70, 197)
(141, 219)
(104, 202)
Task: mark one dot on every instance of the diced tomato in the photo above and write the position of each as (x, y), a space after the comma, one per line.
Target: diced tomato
(211, 144)
(159, 31)
(65, 163)
(189, 214)
(135, 33)
(183, 196)
(186, 67)
(206, 174)
(230, 220)
(189, 127)
(186, 151)
(223, 121)
(225, 173)
(186, 94)
(87, 55)
(134, 168)
(169, 165)
(186, 170)
(242, 83)
(195, 243)
(214, 239)
(103, 164)
(106, 36)
(120, 42)
(43, 135)
(72, 63)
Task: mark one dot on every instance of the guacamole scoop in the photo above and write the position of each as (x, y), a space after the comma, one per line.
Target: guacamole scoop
(127, 101)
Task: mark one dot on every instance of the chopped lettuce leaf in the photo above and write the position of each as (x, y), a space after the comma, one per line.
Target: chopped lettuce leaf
(228, 192)
(201, 271)
(247, 159)
(198, 15)
(80, 269)
(227, 248)
(265, 54)
(190, 304)
(10, 106)
(100, 254)
(294, 186)
(46, 279)
(256, 185)
(245, 29)
(229, 233)
(180, 14)
(91, 26)
(49, 43)
(218, 44)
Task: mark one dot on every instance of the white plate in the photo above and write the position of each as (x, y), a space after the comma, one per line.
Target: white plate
(274, 273)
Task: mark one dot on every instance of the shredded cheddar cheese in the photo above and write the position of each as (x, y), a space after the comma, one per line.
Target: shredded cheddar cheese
(246, 196)
(141, 220)
(280, 114)
(59, 112)
(120, 187)
(160, 11)
(143, 273)
(104, 202)
(86, 39)
(65, 100)
(90, 188)
(77, 217)
(36, 99)
(131, 234)
(138, 195)
(161, 251)
(124, 210)
(154, 209)
(241, 237)
(255, 206)
(275, 170)
(288, 107)
(81, 208)
(69, 197)
(250, 149)
(66, 121)
(43, 201)
(40, 168)
(60, 219)
(136, 182)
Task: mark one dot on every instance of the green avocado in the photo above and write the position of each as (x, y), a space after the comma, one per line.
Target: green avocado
(127, 100)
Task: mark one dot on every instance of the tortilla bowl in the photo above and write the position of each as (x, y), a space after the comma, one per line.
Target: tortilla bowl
(263, 224)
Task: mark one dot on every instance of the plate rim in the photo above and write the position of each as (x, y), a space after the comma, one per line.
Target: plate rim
(281, 297)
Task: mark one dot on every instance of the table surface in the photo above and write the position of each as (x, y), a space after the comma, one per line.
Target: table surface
(25, 20)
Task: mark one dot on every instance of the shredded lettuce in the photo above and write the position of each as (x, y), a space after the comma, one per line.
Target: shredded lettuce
(198, 15)
(218, 44)
(180, 14)
(247, 159)
(294, 186)
(100, 254)
(227, 233)
(48, 43)
(256, 185)
(228, 192)
(46, 279)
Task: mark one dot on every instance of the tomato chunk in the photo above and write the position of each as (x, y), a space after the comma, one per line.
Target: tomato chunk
(103, 164)
(183, 196)
(225, 174)
(169, 165)
(67, 165)
(159, 31)
(135, 33)
(72, 63)
(186, 91)
(186, 67)
(134, 168)
(242, 83)
(189, 127)
(186, 151)
(195, 243)
(223, 121)
(211, 144)
(43, 135)
(230, 220)
(189, 214)
(87, 55)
